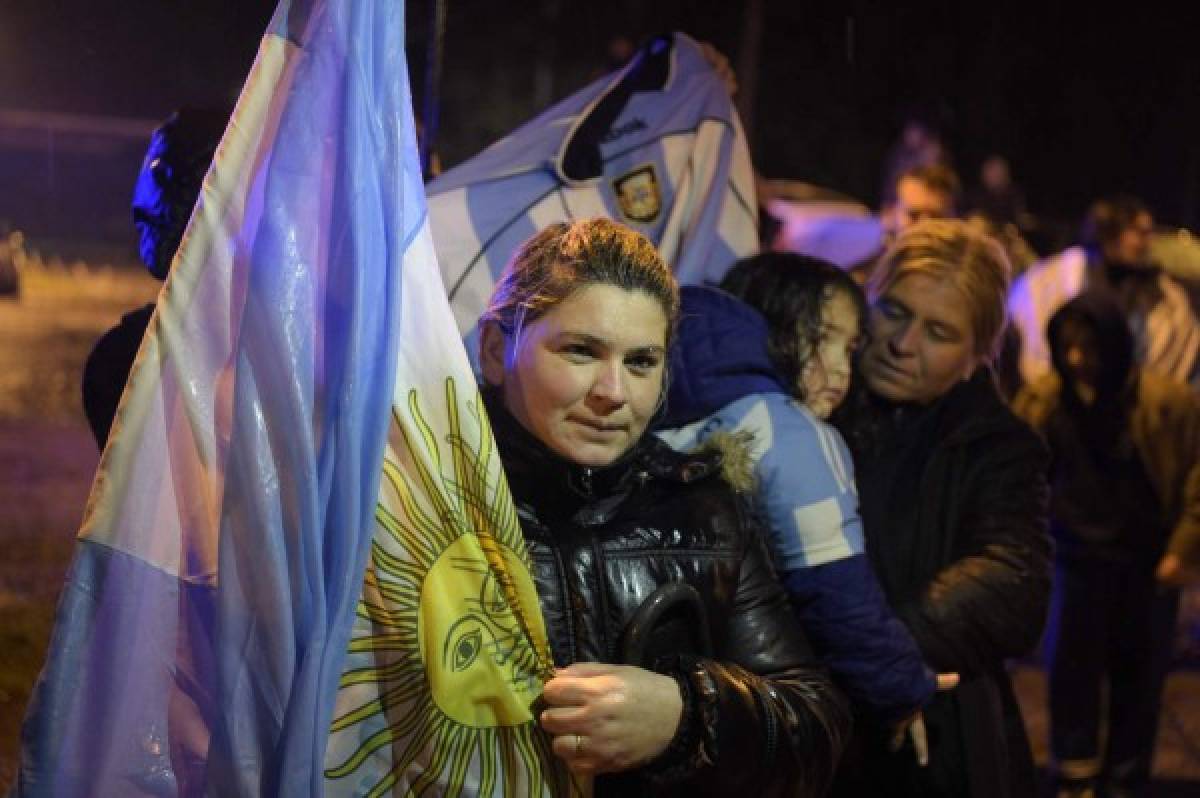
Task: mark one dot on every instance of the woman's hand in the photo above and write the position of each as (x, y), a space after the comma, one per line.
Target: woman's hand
(607, 718)
(913, 726)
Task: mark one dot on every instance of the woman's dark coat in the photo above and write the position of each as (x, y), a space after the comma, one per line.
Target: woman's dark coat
(954, 503)
(761, 716)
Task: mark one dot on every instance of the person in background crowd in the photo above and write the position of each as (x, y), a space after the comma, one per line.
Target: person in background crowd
(1007, 366)
(769, 357)
(172, 174)
(997, 207)
(997, 197)
(919, 145)
(930, 191)
(574, 354)
(1114, 256)
(953, 502)
(1125, 512)
(927, 191)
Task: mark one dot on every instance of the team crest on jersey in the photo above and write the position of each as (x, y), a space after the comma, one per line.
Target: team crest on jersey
(638, 194)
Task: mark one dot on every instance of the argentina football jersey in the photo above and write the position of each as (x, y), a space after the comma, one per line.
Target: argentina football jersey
(805, 487)
(658, 146)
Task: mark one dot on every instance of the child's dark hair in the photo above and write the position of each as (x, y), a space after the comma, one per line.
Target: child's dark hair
(790, 290)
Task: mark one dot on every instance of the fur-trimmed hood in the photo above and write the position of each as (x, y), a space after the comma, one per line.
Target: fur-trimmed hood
(736, 458)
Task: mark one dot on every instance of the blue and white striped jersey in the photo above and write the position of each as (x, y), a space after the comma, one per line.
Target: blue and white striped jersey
(806, 491)
(672, 163)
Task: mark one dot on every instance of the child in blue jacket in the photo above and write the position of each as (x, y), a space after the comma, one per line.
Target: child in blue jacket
(770, 354)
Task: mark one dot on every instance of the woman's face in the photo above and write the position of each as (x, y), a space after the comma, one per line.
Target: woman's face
(586, 377)
(921, 340)
(826, 375)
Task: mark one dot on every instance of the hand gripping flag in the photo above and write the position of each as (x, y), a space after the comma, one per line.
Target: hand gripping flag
(449, 652)
(202, 638)
(657, 146)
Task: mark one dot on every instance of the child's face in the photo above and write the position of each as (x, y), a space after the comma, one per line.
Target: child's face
(826, 376)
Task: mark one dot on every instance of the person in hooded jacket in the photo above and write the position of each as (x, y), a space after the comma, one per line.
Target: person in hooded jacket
(1125, 512)
(167, 187)
(768, 356)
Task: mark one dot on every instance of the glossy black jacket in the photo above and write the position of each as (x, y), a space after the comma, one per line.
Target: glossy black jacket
(761, 716)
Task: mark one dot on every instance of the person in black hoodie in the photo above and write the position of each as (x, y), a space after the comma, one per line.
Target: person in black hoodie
(573, 353)
(1125, 512)
(167, 187)
(953, 501)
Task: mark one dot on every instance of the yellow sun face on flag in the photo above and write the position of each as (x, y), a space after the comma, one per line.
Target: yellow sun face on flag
(448, 651)
(471, 640)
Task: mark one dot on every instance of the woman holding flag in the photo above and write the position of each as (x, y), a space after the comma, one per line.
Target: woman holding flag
(300, 571)
(679, 666)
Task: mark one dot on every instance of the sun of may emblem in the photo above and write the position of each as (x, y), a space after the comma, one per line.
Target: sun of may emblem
(448, 651)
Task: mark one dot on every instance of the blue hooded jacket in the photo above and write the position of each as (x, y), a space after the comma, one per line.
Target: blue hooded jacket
(722, 379)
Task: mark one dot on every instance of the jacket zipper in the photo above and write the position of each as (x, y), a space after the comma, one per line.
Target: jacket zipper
(765, 703)
(572, 647)
(598, 567)
(601, 592)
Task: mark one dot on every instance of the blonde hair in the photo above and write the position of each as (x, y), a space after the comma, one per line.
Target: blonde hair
(952, 250)
(565, 257)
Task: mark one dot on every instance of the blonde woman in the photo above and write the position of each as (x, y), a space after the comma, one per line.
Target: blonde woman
(953, 500)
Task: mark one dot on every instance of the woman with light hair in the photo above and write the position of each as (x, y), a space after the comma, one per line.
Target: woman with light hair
(953, 500)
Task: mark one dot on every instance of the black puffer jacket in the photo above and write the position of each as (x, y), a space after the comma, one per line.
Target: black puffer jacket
(761, 716)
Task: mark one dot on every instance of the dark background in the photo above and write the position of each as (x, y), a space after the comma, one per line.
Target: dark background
(1083, 101)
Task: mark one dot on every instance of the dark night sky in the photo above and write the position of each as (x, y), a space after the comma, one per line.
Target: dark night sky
(1083, 104)
(136, 58)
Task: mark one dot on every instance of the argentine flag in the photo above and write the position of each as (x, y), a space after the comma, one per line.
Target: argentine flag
(251, 567)
(657, 146)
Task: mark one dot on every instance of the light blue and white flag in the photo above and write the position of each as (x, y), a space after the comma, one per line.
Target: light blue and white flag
(657, 146)
(201, 638)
